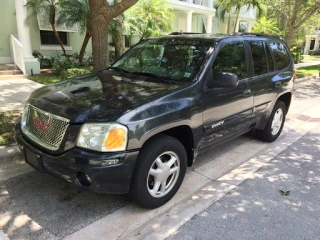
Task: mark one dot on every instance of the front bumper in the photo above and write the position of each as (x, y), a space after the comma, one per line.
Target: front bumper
(77, 163)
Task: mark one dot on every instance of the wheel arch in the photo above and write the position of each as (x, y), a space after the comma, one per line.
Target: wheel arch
(286, 99)
(183, 133)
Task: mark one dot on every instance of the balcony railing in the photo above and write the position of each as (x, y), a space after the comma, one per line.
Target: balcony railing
(204, 3)
(17, 53)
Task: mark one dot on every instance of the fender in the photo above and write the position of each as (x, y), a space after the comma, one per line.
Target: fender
(138, 143)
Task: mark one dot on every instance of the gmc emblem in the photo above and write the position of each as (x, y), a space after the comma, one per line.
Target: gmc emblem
(41, 125)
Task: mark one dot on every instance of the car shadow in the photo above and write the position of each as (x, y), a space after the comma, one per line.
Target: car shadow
(37, 206)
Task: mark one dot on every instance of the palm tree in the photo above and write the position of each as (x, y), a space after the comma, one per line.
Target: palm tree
(249, 4)
(76, 12)
(267, 26)
(150, 17)
(223, 7)
(227, 6)
(50, 7)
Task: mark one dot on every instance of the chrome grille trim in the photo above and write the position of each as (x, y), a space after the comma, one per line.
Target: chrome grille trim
(54, 129)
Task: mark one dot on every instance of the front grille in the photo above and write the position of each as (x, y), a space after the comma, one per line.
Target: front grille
(44, 128)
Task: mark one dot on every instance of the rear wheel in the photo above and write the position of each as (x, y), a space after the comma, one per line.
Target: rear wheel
(275, 123)
(159, 172)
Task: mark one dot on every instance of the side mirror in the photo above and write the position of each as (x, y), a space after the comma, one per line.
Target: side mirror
(224, 80)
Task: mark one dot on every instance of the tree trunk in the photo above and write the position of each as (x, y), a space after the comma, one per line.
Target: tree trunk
(101, 15)
(120, 43)
(99, 35)
(237, 19)
(289, 36)
(59, 40)
(229, 19)
(84, 46)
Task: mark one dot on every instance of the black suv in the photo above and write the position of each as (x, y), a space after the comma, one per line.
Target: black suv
(136, 126)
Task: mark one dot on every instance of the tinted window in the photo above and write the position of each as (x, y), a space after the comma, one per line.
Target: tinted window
(280, 54)
(270, 60)
(258, 58)
(231, 58)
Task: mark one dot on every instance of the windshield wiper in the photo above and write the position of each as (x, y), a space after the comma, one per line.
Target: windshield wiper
(161, 79)
(119, 69)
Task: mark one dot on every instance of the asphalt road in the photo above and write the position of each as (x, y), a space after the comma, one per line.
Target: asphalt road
(40, 206)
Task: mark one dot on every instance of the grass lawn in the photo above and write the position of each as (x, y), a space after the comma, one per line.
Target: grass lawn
(308, 58)
(45, 79)
(307, 71)
(47, 76)
(7, 121)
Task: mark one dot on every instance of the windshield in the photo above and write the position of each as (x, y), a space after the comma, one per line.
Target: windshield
(172, 59)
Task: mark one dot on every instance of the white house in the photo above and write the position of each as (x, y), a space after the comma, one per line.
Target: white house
(312, 41)
(18, 39)
(200, 16)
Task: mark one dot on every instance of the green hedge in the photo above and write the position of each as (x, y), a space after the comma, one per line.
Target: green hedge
(314, 52)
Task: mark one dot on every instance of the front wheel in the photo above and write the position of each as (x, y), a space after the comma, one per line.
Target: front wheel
(275, 123)
(159, 172)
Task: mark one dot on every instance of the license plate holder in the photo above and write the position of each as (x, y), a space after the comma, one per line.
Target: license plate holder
(33, 159)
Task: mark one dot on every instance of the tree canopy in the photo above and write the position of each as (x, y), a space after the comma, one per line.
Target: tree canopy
(292, 15)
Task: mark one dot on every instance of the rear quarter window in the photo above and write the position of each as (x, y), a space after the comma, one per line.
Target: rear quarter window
(281, 55)
(258, 54)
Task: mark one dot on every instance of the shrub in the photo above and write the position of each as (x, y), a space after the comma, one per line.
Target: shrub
(61, 64)
(314, 52)
(45, 62)
(74, 72)
(296, 53)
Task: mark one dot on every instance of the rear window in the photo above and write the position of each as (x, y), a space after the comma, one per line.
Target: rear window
(270, 61)
(281, 55)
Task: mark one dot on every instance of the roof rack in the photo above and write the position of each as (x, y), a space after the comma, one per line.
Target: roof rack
(254, 34)
(184, 33)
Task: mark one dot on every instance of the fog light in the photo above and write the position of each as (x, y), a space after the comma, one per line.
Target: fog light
(109, 162)
(83, 179)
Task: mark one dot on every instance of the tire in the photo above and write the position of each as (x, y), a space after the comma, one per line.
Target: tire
(154, 168)
(274, 127)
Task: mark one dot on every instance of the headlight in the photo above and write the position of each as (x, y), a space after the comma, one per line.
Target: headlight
(103, 137)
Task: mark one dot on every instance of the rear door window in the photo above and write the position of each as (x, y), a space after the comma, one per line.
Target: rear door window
(232, 59)
(269, 58)
(259, 59)
(281, 55)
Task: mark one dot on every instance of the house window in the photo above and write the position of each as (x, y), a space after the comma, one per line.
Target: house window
(48, 38)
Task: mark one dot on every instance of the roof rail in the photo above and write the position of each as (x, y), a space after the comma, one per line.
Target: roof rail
(183, 33)
(254, 34)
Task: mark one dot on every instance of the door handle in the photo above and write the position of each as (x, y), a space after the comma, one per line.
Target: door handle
(277, 84)
(247, 93)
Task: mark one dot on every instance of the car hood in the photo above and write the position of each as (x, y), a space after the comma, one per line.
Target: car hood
(100, 97)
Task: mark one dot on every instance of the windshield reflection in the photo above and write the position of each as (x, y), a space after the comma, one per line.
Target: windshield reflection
(169, 58)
